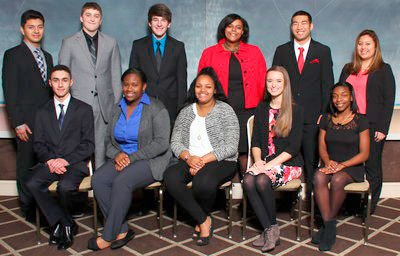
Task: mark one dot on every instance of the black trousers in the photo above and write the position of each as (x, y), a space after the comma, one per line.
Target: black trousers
(25, 160)
(373, 168)
(67, 183)
(309, 150)
(199, 200)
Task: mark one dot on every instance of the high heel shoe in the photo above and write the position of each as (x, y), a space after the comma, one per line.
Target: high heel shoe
(202, 241)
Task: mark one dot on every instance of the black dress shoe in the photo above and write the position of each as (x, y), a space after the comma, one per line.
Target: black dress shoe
(67, 238)
(121, 242)
(55, 235)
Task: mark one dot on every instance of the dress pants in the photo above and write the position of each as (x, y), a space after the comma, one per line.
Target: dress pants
(100, 133)
(199, 200)
(373, 168)
(67, 184)
(113, 192)
(25, 160)
(309, 150)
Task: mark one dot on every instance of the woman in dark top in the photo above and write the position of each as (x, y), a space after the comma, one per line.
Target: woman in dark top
(343, 148)
(241, 69)
(374, 88)
(275, 146)
(138, 152)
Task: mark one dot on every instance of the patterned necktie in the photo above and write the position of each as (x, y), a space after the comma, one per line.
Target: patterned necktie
(92, 50)
(300, 61)
(61, 116)
(158, 56)
(40, 62)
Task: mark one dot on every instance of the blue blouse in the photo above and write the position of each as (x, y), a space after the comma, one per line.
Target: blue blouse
(126, 131)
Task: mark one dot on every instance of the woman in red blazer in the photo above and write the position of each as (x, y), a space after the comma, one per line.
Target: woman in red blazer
(374, 88)
(241, 69)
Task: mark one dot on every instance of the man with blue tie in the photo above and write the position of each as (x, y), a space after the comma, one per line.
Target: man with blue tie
(25, 73)
(63, 144)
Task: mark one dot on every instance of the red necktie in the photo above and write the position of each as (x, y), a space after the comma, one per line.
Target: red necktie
(300, 61)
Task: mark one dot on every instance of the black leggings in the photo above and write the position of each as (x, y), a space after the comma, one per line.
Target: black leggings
(199, 200)
(262, 199)
(330, 201)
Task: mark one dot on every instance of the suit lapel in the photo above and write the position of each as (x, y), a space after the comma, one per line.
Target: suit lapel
(68, 116)
(150, 53)
(32, 59)
(310, 55)
(53, 120)
(292, 57)
(80, 37)
(168, 52)
(100, 47)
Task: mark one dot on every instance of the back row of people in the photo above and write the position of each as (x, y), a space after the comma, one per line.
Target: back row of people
(95, 65)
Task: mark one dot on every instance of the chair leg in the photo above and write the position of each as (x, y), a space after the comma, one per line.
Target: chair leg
(244, 217)
(366, 221)
(230, 212)
(160, 209)
(312, 214)
(299, 203)
(38, 225)
(174, 220)
(94, 217)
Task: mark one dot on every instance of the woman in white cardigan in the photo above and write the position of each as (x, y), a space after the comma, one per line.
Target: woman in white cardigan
(205, 139)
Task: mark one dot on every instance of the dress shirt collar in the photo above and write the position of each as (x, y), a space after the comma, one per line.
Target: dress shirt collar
(145, 100)
(33, 48)
(305, 46)
(65, 103)
(162, 43)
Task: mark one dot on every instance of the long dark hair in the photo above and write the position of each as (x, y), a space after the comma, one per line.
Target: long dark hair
(353, 107)
(228, 20)
(207, 71)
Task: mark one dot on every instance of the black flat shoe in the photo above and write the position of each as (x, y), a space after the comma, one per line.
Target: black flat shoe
(55, 235)
(121, 242)
(202, 241)
(67, 237)
(195, 235)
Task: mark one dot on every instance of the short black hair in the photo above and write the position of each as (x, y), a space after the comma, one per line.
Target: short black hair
(207, 71)
(301, 13)
(159, 10)
(228, 20)
(137, 72)
(31, 15)
(60, 67)
(353, 107)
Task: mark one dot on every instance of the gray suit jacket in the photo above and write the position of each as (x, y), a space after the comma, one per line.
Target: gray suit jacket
(153, 138)
(103, 78)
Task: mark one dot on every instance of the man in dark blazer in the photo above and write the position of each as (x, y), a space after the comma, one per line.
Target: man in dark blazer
(309, 64)
(163, 59)
(25, 71)
(63, 143)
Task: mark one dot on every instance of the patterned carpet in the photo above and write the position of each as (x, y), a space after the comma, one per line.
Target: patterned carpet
(17, 237)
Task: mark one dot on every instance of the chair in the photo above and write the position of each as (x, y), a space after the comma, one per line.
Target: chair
(362, 188)
(291, 186)
(158, 187)
(84, 186)
(227, 186)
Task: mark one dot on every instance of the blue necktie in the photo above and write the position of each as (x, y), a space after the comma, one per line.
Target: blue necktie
(40, 62)
(61, 116)
(158, 56)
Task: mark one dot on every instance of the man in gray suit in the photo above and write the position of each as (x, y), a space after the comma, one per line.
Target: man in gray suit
(94, 60)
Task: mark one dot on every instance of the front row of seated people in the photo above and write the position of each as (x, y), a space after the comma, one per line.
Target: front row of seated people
(204, 142)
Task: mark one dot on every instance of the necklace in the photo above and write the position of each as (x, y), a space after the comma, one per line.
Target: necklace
(228, 48)
(343, 121)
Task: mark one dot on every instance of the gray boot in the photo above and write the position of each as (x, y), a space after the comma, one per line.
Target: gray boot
(272, 238)
(260, 241)
(276, 233)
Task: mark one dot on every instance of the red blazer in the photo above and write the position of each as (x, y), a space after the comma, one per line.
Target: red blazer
(253, 67)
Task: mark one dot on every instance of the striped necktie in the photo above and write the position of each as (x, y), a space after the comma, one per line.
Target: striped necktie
(40, 62)
(92, 50)
(61, 116)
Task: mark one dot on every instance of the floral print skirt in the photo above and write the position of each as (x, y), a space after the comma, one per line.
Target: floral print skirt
(281, 174)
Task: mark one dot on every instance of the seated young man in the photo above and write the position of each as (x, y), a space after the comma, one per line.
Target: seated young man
(63, 143)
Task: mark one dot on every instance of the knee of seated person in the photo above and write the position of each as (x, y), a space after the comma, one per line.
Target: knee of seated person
(65, 187)
(32, 184)
(203, 189)
(338, 182)
(319, 178)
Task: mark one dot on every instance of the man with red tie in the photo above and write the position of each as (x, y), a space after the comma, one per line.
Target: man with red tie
(309, 64)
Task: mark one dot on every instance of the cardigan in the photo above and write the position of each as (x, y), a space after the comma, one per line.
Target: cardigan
(222, 128)
(253, 67)
(381, 88)
(290, 144)
(153, 137)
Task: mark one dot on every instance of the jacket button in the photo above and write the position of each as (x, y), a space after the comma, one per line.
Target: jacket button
(95, 76)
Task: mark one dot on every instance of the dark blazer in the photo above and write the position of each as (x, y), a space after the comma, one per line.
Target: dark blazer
(290, 144)
(153, 137)
(170, 84)
(24, 88)
(310, 89)
(380, 96)
(74, 142)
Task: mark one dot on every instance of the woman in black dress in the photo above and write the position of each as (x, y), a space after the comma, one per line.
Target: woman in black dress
(343, 148)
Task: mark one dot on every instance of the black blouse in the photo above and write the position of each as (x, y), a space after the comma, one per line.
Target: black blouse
(290, 144)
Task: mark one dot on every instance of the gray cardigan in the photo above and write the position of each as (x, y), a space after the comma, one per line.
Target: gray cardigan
(222, 128)
(153, 138)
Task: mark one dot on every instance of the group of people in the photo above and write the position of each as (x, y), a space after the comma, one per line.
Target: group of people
(159, 131)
